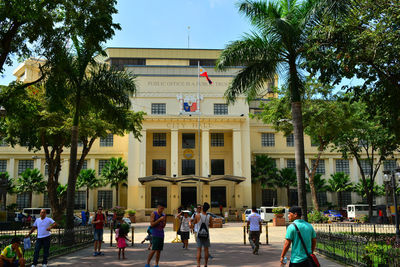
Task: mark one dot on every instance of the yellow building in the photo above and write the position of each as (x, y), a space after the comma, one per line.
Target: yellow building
(195, 147)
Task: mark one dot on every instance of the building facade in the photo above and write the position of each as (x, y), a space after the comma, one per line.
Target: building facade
(194, 147)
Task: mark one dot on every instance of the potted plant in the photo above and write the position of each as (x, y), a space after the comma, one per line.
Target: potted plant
(132, 215)
(119, 212)
(279, 220)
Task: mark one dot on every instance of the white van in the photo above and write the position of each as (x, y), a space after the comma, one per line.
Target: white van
(356, 211)
(248, 212)
(267, 215)
(36, 212)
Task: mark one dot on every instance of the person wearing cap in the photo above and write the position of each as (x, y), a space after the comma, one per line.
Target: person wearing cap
(185, 228)
(298, 257)
(12, 255)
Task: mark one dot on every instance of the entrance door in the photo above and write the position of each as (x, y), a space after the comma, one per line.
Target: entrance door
(188, 196)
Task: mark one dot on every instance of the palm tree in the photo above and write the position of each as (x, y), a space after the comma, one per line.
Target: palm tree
(278, 44)
(114, 173)
(340, 182)
(263, 170)
(31, 181)
(87, 178)
(286, 178)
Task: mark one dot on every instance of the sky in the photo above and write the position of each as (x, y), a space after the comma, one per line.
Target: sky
(164, 24)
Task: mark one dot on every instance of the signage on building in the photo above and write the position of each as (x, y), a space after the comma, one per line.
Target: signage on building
(189, 104)
(188, 154)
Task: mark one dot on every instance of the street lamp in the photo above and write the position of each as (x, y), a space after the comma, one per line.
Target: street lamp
(390, 180)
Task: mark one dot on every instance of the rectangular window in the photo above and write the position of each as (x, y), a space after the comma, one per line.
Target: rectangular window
(158, 196)
(107, 141)
(290, 140)
(291, 163)
(188, 140)
(46, 170)
(203, 62)
(269, 197)
(105, 199)
(389, 165)
(366, 166)
(342, 165)
(321, 166)
(159, 139)
(159, 167)
(268, 139)
(218, 196)
(158, 108)
(346, 198)
(217, 139)
(3, 165)
(23, 201)
(80, 200)
(322, 199)
(102, 163)
(293, 197)
(24, 164)
(188, 167)
(217, 167)
(220, 109)
(84, 165)
(46, 202)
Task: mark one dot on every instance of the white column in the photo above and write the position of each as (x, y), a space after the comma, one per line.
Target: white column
(205, 153)
(142, 155)
(331, 167)
(11, 168)
(355, 171)
(281, 163)
(237, 153)
(174, 152)
(92, 193)
(37, 164)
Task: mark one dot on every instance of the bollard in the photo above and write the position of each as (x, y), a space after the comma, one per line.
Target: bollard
(244, 234)
(133, 235)
(59, 236)
(111, 235)
(266, 234)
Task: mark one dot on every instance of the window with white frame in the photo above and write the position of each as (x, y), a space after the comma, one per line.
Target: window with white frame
(268, 139)
(80, 200)
(320, 167)
(23, 200)
(290, 140)
(269, 197)
(322, 198)
(24, 164)
(107, 141)
(3, 165)
(389, 165)
(220, 109)
(159, 167)
(102, 163)
(105, 199)
(46, 201)
(217, 139)
(366, 166)
(158, 108)
(291, 163)
(159, 139)
(342, 165)
(346, 198)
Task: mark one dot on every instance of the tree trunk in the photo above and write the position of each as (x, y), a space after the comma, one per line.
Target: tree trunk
(87, 198)
(288, 195)
(30, 199)
(314, 195)
(299, 156)
(340, 200)
(116, 192)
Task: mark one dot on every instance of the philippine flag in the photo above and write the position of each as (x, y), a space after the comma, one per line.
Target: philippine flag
(203, 73)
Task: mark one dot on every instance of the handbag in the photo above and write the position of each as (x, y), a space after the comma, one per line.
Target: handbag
(312, 259)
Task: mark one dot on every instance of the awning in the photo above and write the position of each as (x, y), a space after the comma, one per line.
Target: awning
(206, 180)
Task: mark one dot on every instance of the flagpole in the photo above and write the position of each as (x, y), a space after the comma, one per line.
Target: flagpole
(198, 122)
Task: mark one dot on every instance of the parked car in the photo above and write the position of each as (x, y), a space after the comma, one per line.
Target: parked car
(334, 215)
(214, 216)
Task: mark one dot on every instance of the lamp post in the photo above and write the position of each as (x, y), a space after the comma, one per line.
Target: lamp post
(390, 179)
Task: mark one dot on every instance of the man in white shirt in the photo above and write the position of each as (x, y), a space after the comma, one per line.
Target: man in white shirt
(254, 225)
(43, 226)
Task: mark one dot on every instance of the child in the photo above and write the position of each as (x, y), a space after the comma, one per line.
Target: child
(121, 237)
(148, 237)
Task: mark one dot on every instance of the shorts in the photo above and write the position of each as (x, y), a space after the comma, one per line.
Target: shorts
(185, 235)
(7, 264)
(203, 242)
(157, 243)
(98, 234)
(300, 264)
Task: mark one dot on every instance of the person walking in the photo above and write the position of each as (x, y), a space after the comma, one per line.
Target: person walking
(158, 221)
(203, 235)
(99, 221)
(254, 225)
(9, 255)
(185, 228)
(43, 224)
(298, 257)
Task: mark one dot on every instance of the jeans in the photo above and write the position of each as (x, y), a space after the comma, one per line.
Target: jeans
(45, 243)
(254, 239)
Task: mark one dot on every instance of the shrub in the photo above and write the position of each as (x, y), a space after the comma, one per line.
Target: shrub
(278, 210)
(317, 217)
(131, 212)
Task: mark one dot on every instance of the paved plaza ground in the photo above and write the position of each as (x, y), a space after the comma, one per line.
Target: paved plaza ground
(227, 248)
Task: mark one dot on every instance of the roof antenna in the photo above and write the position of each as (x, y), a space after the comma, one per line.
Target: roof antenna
(188, 36)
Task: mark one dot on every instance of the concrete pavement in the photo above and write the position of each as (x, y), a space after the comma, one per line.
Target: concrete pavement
(227, 248)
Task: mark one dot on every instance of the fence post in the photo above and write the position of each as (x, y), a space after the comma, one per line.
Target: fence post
(111, 234)
(133, 235)
(329, 230)
(375, 232)
(266, 234)
(351, 226)
(59, 236)
(244, 234)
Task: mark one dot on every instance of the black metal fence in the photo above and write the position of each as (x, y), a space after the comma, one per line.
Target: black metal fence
(355, 228)
(83, 235)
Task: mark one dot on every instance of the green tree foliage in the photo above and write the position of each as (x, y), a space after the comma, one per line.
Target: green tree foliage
(285, 179)
(263, 171)
(87, 178)
(31, 181)
(10, 183)
(277, 45)
(359, 188)
(114, 173)
(340, 182)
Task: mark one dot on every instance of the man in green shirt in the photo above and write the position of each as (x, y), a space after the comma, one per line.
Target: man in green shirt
(298, 257)
(9, 255)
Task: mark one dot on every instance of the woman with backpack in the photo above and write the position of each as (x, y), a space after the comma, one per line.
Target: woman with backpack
(203, 235)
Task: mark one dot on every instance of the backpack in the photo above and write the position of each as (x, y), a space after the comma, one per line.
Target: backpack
(203, 231)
